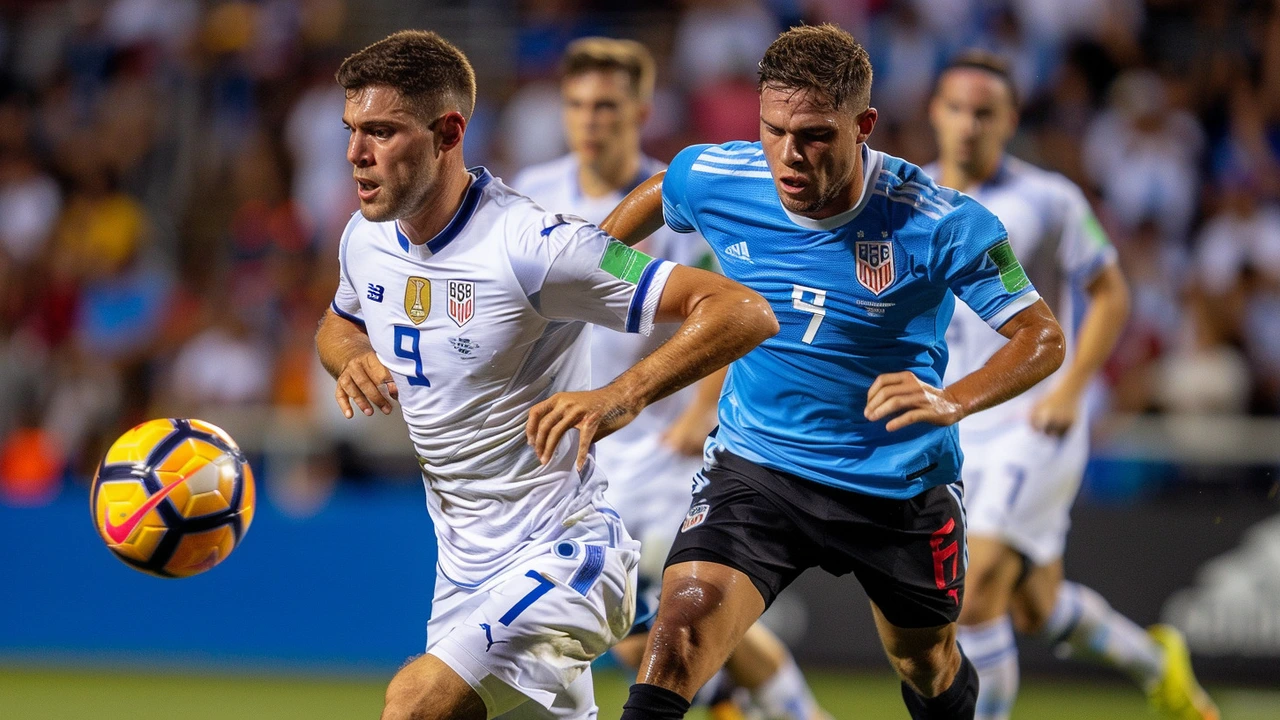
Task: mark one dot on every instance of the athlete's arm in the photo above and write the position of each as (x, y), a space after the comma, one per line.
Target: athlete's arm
(720, 322)
(639, 215)
(1100, 329)
(346, 353)
(1035, 349)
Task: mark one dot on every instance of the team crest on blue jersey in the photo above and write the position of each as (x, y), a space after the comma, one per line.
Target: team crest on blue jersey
(417, 299)
(462, 301)
(875, 264)
(696, 515)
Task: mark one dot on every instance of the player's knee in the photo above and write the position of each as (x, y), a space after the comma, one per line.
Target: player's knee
(930, 670)
(1029, 618)
(686, 606)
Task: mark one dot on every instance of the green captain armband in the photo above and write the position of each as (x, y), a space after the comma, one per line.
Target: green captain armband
(1012, 276)
(624, 263)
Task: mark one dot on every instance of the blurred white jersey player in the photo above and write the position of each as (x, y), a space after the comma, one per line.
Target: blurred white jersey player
(1024, 459)
(606, 88)
(470, 303)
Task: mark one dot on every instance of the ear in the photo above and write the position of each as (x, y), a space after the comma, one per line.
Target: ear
(449, 131)
(866, 123)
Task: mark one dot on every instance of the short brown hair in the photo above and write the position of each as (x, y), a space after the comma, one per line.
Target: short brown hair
(592, 54)
(427, 70)
(819, 57)
(988, 62)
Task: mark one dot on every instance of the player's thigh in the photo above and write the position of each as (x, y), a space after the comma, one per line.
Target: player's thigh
(993, 572)
(427, 689)
(1034, 598)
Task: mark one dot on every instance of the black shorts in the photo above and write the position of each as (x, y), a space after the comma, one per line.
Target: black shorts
(908, 554)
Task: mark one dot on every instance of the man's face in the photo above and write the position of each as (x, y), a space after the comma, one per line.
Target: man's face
(974, 117)
(393, 153)
(812, 149)
(602, 117)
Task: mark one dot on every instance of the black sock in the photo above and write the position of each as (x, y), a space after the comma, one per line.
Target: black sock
(650, 702)
(957, 702)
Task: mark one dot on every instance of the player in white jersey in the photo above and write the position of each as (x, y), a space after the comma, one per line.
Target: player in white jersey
(1024, 459)
(607, 85)
(467, 303)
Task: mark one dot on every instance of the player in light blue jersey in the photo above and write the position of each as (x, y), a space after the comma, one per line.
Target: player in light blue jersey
(836, 446)
(607, 86)
(1026, 458)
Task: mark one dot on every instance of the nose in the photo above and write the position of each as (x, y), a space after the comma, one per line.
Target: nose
(358, 151)
(791, 154)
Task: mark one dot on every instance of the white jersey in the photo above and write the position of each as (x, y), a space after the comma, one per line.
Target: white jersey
(554, 185)
(1061, 246)
(477, 326)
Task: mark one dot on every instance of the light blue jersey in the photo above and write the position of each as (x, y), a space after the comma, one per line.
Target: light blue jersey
(866, 292)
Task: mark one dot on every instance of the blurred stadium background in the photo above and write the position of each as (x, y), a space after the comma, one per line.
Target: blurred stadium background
(172, 187)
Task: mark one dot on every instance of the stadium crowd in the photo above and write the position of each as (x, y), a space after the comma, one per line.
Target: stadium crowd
(173, 181)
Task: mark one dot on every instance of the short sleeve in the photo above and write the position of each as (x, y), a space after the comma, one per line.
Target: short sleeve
(976, 261)
(1085, 249)
(346, 301)
(597, 279)
(676, 209)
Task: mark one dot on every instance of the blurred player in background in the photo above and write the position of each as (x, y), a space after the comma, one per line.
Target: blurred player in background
(1024, 459)
(836, 446)
(607, 86)
(467, 302)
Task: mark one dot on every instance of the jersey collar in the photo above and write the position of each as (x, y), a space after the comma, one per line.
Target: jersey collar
(480, 178)
(871, 160)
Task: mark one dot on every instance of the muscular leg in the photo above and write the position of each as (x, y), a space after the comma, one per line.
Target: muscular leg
(938, 682)
(985, 631)
(428, 689)
(704, 612)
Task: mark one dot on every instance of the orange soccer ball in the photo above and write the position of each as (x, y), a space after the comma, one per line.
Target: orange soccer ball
(173, 497)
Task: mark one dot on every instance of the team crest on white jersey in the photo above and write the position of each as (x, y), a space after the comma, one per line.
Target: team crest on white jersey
(696, 515)
(462, 301)
(875, 264)
(417, 299)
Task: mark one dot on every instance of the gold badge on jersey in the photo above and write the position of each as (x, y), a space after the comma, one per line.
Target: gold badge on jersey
(417, 299)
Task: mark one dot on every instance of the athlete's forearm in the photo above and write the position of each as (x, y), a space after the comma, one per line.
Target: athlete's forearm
(720, 326)
(1100, 329)
(639, 215)
(1035, 349)
(338, 341)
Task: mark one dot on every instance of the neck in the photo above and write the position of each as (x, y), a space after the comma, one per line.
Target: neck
(608, 176)
(441, 206)
(962, 178)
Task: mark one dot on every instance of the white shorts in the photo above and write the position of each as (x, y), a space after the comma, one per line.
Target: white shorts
(651, 485)
(1019, 485)
(531, 632)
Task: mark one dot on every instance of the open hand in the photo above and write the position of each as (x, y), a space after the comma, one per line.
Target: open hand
(360, 381)
(911, 400)
(595, 413)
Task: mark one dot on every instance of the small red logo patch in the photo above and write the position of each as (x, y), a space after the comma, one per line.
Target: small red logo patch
(696, 515)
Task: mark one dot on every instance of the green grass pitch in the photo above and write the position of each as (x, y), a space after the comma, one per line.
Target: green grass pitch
(31, 694)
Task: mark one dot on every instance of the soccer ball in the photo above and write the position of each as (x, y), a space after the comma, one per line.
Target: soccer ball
(173, 497)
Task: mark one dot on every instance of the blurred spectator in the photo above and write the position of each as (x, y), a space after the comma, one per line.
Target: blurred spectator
(1144, 155)
(222, 365)
(30, 202)
(317, 142)
(1245, 234)
(716, 39)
